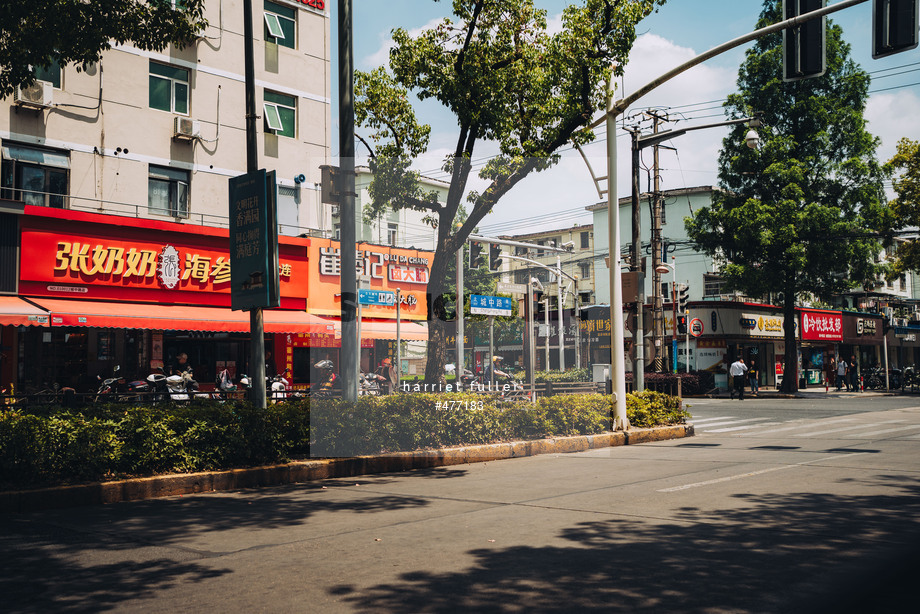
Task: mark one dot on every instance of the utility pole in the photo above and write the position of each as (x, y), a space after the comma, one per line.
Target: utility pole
(351, 343)
(639, 333)
(657, 302)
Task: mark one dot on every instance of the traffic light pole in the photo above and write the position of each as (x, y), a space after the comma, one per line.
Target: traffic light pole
(460, 332)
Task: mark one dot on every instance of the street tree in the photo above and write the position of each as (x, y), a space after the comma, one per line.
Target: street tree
(39, 34)
(794, 218)
(905, 166)
(510, 84)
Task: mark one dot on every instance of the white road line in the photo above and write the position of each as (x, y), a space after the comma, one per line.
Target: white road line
(741, 428)
(849, 428)
(900, 428)
(753, 473)
(702, 420)
(805, 424)
(726, 422)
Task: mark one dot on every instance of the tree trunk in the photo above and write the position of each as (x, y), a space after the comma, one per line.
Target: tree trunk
(791, 359)
(437, 316)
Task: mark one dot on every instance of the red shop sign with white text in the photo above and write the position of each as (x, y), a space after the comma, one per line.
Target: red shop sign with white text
(822, 326)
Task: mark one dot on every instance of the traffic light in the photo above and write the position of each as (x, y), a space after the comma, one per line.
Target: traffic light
(538, 306)
(495, 251)
(894, 26)
(475, 255)
(683, 294)
(682, 324)
(803, 45)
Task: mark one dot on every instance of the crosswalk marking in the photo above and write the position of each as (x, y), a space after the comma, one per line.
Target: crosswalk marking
(799, 424)
(848, 428)
(702, 420)
(900, 428)
(726, 422)
(742, 428)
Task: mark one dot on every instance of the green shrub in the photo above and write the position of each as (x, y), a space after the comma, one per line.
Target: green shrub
(104, 442)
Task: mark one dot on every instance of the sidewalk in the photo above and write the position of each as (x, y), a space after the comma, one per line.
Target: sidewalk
(811, 392)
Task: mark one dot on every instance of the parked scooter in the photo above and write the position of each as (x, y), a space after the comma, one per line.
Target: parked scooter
(183, 387)
(109, 387)
(278, 387)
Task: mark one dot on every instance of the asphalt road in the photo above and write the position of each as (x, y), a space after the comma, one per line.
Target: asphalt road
(814, 508)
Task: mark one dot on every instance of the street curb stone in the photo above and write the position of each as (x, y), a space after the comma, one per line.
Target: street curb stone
(139, 489)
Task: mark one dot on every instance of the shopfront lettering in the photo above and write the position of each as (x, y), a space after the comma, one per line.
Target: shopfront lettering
(865, 327)
(771, 325)
(169, 265)
(316, 4)
(822, 326)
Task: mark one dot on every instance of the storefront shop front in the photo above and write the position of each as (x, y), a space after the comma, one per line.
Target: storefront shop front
(723, 331)
(903, 347)
(98, 291)
(863, 337)
(821, 332)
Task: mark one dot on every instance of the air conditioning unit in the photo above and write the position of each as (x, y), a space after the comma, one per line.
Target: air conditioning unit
(38, 95)
(187, 129)
(335, 211)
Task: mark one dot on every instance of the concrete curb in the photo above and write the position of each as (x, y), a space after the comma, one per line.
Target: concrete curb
(138, 489)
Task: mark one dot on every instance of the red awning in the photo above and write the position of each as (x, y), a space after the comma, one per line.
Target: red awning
(176, 317)
(386, 329)
(16, 312)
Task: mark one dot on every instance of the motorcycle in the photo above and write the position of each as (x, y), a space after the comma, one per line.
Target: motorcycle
(109, 387)
(371, 384)
(467, 379)
(183, 387)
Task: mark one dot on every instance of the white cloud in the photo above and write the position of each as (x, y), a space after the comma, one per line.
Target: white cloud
(892, 116)
(381, 57)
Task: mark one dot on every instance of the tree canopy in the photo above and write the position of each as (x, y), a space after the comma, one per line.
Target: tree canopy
(795, 218)
(41, 33)
(905, 166)
(508, 81)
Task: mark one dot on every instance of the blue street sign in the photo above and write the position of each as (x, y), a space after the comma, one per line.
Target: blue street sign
(377, 297)
(491, 305)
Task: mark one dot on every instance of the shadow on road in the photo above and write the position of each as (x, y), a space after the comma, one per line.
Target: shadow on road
(774, 553)
(41, 568)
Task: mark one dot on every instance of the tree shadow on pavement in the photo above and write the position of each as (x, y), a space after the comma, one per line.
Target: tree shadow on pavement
(800, 552)
(145, 545)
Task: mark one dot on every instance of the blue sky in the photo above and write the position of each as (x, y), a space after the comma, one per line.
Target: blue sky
(680, 30)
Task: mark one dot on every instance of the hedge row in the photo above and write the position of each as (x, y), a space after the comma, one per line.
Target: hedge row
(115, 441)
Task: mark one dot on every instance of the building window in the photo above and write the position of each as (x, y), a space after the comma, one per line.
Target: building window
(391, 233)
(584, 298)
(34, 176)
(168, 88)
(585, 240)
(585, 268)
(337, 231)
(712, 285)
(280, 113)
(903, 281)
(52, 74)
(520, 277)
(540, 251)
(280, 25)
(167, 191)
(520, 250)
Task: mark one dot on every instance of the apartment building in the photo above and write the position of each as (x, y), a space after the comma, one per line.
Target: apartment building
(157, 135)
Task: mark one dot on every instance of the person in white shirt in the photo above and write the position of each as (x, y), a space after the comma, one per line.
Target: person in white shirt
(737, 371)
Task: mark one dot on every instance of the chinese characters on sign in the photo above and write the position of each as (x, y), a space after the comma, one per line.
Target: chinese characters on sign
(392, 267)
(822, 326)
(170, 265)
(491, 305)
(254, 282)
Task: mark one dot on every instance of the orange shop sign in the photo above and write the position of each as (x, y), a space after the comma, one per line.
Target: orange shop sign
(387, 268)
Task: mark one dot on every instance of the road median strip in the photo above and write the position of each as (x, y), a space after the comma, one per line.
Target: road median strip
(138, 489)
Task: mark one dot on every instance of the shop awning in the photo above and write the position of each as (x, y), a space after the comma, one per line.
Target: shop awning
(99, 314)
(16, 312)
(386, 329)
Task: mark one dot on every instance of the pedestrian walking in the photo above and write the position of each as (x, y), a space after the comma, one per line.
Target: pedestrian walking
(754, 377)
(842, 374)
(737, 371)
(854, 375)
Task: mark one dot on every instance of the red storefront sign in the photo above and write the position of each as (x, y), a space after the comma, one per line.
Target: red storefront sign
(105, 257)
(821, 325)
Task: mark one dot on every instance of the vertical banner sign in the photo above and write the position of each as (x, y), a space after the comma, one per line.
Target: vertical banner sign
(254, 281)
